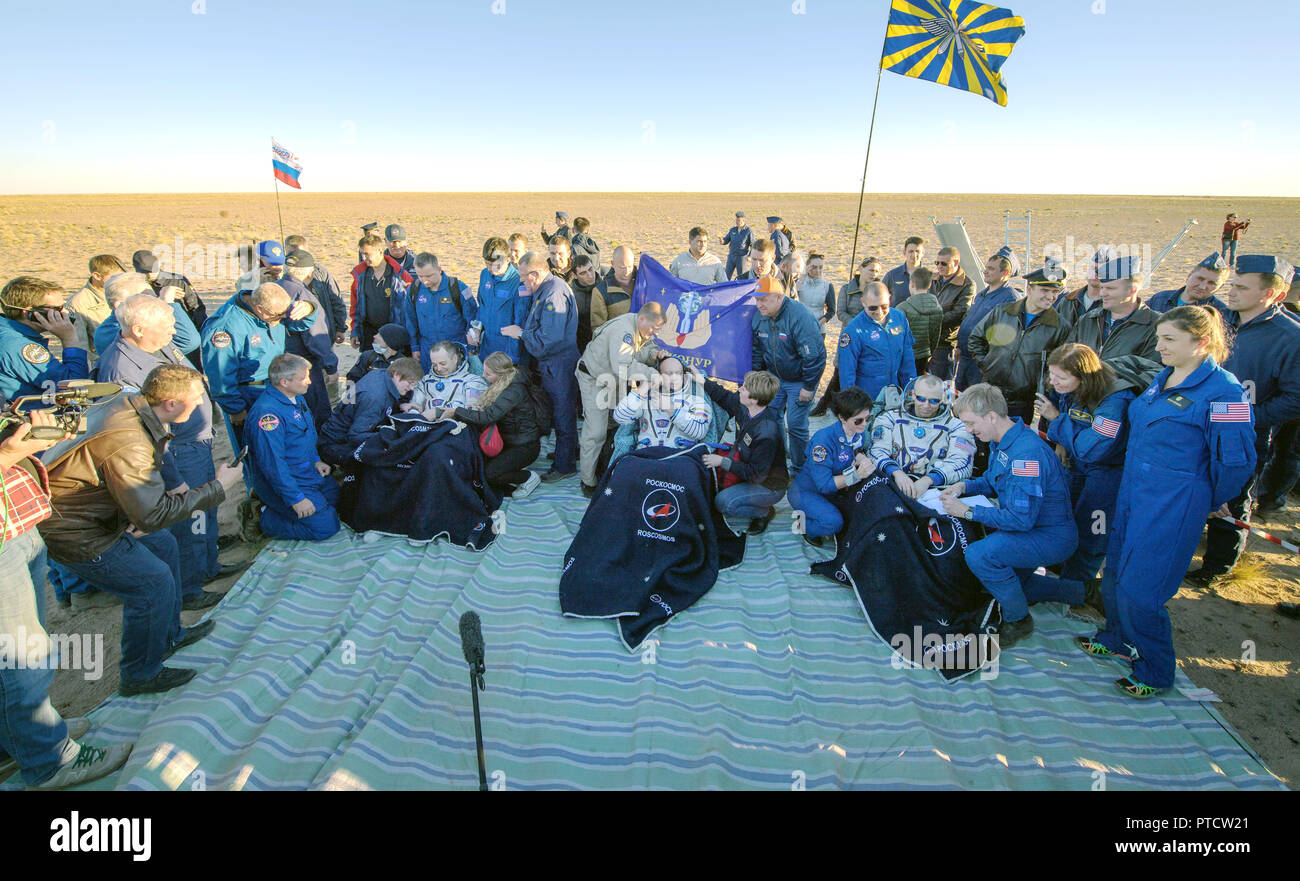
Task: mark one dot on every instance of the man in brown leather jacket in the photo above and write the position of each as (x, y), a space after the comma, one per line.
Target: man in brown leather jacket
(954, 291)
(111, 513)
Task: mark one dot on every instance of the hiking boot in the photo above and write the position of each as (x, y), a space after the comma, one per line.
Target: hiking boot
(250, 520)
(1269, 507)
(1013, 632)
(758, 525)
(91, 763)
(1201, 577)
(553, 476)
(588, 490)
(167, 678)
(525, 488)
(204, 599)
(228, 569)
(93, 599)
(192, 635)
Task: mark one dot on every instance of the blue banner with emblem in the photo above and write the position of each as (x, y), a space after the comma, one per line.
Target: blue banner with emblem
(708, 326)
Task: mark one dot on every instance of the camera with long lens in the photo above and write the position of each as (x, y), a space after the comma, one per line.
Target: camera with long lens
(70, 400)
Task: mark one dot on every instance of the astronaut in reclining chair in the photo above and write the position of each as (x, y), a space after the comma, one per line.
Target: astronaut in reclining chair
(921, 443)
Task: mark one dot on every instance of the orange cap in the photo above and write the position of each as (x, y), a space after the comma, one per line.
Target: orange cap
(769, 285)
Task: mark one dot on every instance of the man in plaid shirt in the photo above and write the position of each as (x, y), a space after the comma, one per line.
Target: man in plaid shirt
(32, 734)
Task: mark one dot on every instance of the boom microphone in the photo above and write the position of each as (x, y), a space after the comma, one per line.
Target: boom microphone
(471, 643)
(84, 388)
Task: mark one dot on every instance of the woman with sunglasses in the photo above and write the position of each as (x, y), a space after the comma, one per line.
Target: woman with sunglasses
(1087, 415)
(835, 461)
(500, 303)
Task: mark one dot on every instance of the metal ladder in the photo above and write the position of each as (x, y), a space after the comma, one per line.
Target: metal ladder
(1026, 230)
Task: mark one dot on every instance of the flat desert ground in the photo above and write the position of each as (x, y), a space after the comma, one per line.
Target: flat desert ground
(1228, 637)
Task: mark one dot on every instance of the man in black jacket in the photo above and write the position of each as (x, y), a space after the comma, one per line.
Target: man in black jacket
(954, 290)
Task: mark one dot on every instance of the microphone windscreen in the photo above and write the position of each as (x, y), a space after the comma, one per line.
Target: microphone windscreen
(471, 638)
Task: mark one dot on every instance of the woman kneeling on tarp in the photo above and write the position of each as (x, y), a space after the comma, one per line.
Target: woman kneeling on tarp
(507, 406)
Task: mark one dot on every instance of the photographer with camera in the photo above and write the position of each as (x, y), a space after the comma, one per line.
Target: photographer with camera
(32, 308)
(32, 733)
(114, 511)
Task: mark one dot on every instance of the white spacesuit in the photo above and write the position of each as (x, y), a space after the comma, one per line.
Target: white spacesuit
(923, 438)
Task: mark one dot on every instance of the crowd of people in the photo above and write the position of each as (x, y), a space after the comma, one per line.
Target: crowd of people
(1105, 425)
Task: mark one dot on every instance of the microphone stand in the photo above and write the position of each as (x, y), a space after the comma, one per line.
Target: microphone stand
(476, 685)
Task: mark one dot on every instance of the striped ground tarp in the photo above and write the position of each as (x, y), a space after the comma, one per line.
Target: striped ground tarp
(338, 666)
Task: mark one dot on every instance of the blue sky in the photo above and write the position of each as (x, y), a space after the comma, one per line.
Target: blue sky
(1179, 97)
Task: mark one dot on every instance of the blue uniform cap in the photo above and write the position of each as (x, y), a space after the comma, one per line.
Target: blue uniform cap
(1215, 261)
(271, 251)
(1247, 263)
(1052, 273)
(1010, 255)
(394, 233)
(740, 213)
(773, 219)
(1119, 268)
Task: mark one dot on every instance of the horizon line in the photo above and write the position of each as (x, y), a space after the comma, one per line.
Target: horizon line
(632, 193)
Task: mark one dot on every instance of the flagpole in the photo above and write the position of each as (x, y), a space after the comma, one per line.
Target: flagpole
(857, 224)
(277, 208)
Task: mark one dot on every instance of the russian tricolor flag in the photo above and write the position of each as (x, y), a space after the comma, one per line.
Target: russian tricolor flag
(285, 165)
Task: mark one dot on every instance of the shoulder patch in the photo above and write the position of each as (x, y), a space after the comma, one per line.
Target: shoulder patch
(220, 340)
(844, 340)
(35, 353)
(269, 422)
(819, 454)
(627, 338)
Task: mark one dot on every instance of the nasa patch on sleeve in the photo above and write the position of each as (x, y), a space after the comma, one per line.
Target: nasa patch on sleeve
(34, 353)
(269, 422)
(220, 339)
(819, 454)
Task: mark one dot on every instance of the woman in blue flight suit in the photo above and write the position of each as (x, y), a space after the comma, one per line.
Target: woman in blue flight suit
(1191, 448)
(835, 461)
(1088, 417)
(500, 304)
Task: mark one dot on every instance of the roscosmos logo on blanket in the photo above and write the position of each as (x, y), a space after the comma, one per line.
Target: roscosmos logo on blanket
(661, 510)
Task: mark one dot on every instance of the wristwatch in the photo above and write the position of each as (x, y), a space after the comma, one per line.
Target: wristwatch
(969, 515)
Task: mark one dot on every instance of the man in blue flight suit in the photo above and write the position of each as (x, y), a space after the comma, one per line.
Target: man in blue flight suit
(127, 284)
(779, 239)
(440, 308)
(1266, 360)
(1203, 282)
(239, 343)
(499, 303)
(899, 279)
(788, 343)
(550, 335)
(1034, 521)
(738, 239)
(289, 477)
(144, 342)
(31, 308)
(876, 346)
(368, 405)
(998, 271)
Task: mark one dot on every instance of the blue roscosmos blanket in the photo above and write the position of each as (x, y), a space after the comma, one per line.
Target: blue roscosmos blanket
(649, 545)
(422, 480)
(908, 567)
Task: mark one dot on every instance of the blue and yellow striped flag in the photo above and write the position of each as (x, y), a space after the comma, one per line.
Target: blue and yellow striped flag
(958, 43)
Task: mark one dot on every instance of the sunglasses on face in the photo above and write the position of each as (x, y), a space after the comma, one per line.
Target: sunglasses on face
(921, 400)
(877, 308)
(858, 420)
(941, 263)
(496, 258)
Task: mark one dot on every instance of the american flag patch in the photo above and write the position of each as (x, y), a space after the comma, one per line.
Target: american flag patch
(1024, 468)
(964, 445)
(1228, 412)
(1108, 427)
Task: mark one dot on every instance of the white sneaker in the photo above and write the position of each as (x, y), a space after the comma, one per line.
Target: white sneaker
(91, 763)
(527, 486)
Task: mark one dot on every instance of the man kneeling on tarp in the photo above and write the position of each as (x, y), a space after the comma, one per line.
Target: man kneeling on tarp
(1034, 520)
(366, 406)
(287, 474)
